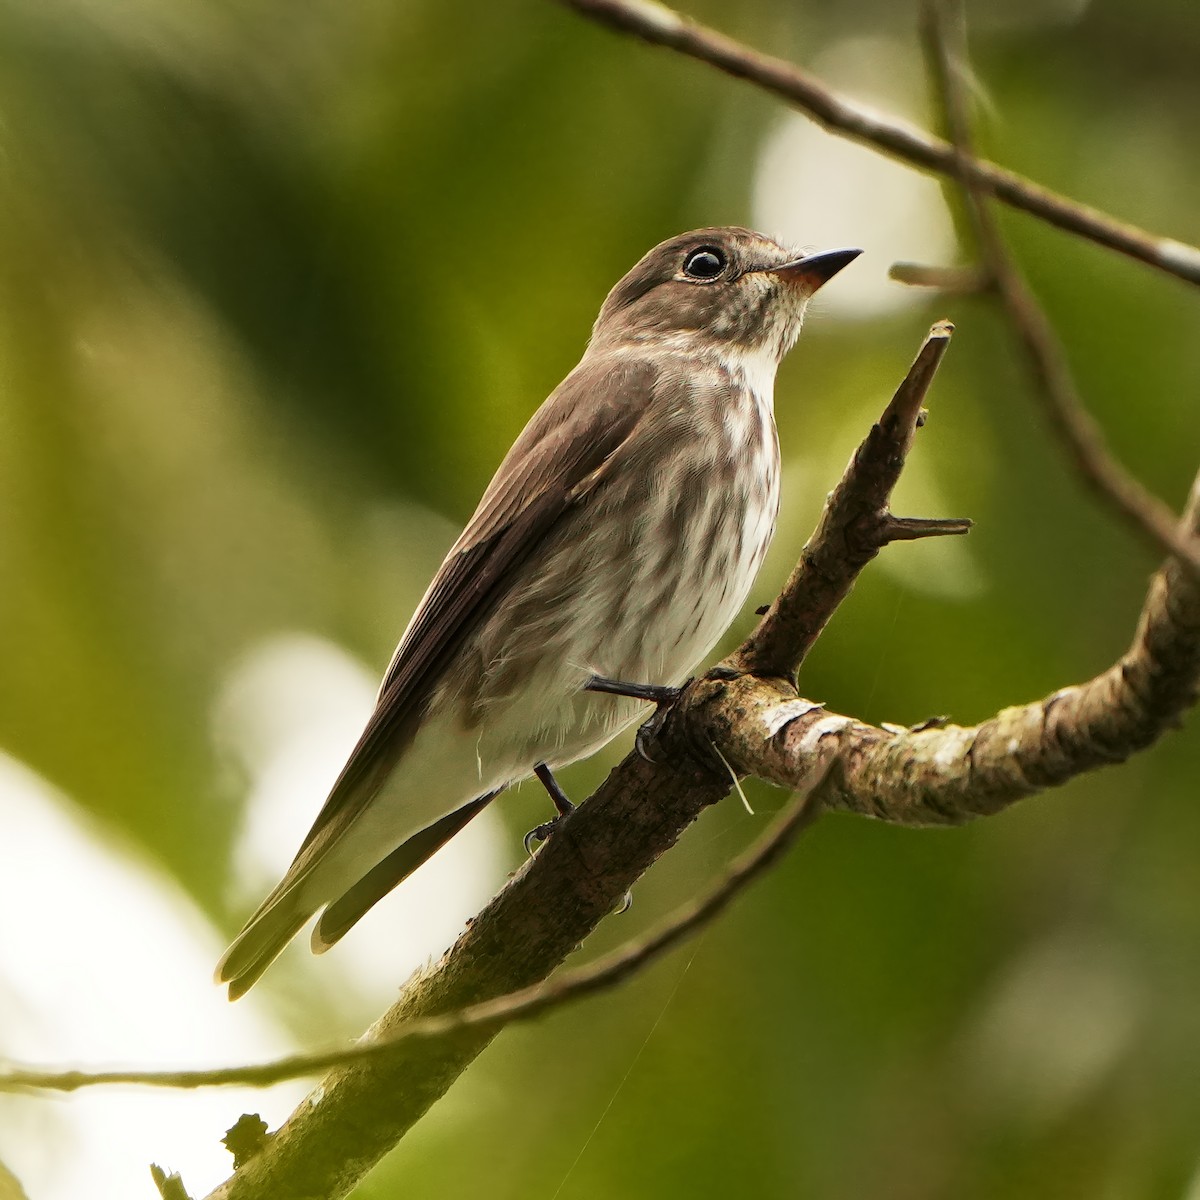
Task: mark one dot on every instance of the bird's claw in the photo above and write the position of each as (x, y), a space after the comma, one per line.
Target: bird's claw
(644, 738)
(540, 833)
(662, 696)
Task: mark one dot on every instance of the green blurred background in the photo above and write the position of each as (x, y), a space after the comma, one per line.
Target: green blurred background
(281, 283)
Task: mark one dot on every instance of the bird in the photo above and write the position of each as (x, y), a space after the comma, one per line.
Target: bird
(619, 538)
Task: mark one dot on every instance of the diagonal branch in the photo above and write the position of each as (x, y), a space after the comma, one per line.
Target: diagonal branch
(854, 526)
(661, 26)
(932, 774)
(1077, 430)
(928, 775)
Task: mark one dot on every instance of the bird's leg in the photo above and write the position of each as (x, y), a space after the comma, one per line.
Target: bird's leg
(656, 693)
(564, 806)
(546, 777)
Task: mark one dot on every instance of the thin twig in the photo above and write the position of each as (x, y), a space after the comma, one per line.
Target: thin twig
(854, 526)
(530, 1002)
(1076, 428)
(952, 280)
(661, 26)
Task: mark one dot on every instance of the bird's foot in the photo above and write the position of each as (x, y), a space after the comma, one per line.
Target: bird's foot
(660, 695)
(542, 832)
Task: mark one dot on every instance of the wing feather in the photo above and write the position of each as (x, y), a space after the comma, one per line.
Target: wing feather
(560, 458)
(564, 454)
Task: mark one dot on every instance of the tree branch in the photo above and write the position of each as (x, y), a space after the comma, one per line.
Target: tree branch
(1075, 427)
(661, 26)
(939, 774)
(855, 524)
(945, 775)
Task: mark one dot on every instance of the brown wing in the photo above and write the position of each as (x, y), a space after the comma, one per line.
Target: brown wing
(562, 455)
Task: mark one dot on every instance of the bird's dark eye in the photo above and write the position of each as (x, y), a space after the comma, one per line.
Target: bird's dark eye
(705, 263)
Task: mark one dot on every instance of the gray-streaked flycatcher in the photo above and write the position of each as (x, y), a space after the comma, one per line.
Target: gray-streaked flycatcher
(619, 538)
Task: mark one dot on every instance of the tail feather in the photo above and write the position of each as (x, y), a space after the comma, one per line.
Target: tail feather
(345, 912)
(280, 916)
(276, 922)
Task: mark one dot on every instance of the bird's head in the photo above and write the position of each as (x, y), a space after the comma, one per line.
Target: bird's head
(717, 289)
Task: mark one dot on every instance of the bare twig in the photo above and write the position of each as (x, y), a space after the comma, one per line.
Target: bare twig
(530, 1002)
(1076, 428)
(170, 1186)
(953, 280)
(854, 526)
(660, 26)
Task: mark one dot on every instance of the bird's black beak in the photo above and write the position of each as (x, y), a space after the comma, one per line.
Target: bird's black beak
(815, 269)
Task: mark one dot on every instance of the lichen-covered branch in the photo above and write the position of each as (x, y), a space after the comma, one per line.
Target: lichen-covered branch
(658, 25)
(936, 775)
(496, 970)
(947, 774)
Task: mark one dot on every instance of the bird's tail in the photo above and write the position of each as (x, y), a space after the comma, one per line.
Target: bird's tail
(346, 911)
(277, 920)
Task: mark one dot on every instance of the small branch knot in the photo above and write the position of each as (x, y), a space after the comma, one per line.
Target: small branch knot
(679, 733)
(245, 1138)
